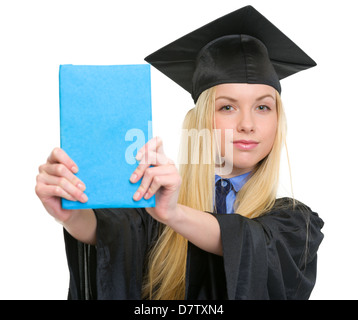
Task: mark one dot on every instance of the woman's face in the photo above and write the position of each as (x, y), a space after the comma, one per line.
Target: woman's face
(247, 118)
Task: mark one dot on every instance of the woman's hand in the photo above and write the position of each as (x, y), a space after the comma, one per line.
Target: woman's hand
(160, 177)
(56, 180)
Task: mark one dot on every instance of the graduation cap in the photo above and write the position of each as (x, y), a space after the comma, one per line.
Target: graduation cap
(241, 47)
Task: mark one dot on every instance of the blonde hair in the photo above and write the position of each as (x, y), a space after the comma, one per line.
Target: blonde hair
(165, 278)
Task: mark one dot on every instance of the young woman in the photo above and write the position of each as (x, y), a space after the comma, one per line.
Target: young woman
(189, 245)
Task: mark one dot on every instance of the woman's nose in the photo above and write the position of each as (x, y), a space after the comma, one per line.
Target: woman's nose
(245, 123)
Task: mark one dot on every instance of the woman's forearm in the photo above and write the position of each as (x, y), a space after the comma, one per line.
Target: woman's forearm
(200, 228)
(82, 226)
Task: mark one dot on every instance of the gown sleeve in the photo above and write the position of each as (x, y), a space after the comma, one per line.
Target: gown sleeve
(270, 257)
(113, 269)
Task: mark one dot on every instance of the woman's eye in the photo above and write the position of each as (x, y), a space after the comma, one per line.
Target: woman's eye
(227, 108)
(263, 108)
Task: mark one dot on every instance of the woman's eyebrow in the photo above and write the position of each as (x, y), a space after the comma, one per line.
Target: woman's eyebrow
(226, 98)
(257, 99)
(265, 96)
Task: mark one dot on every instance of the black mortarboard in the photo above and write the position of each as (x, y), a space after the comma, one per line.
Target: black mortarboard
(241, 47)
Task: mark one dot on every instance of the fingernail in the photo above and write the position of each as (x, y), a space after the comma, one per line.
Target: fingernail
(136, 196)
(74, 169)
(84, 198)
(146, 196)
(139, 156)
(133, 177)
(81, 187)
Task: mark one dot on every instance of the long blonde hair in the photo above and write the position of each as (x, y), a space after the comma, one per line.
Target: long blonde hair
(167, 260)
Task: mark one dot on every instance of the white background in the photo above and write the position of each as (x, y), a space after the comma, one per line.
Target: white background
(321, 105)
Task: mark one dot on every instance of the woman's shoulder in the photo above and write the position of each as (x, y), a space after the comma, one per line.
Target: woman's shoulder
(287, 203)
(292, 211)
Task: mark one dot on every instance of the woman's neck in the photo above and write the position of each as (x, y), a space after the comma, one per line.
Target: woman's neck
(234, 173)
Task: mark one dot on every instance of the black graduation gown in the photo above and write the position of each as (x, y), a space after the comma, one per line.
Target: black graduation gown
(270, 257)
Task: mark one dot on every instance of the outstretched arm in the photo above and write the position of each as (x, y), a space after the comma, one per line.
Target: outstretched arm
(160, 177)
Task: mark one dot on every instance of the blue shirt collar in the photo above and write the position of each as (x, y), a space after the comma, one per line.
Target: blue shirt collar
(237, 182)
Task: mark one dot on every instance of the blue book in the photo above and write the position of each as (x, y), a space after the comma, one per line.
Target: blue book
(105, 118)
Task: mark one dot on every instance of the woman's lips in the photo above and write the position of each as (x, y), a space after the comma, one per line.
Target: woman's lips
(245, 144)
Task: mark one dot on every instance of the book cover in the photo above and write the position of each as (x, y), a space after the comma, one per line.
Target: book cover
(105, 118)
